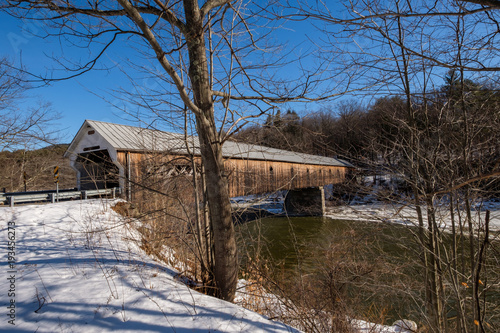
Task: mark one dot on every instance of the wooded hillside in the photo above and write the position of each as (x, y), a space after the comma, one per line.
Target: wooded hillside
(39, 167)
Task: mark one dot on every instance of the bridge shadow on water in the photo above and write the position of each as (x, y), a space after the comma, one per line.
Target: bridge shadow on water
(258, 211)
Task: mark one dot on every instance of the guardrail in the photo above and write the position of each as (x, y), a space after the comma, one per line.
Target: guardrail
(53, 196)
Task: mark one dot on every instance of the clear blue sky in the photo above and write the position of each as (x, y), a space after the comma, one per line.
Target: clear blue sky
(74, 99)
(81, 98)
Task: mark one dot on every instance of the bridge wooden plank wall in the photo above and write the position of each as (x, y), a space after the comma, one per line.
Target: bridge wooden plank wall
(245, 176)
(106, 155)
(259, 176)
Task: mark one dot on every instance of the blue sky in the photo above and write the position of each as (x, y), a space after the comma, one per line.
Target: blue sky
(82, 97)
(75, 99)
(85, 97)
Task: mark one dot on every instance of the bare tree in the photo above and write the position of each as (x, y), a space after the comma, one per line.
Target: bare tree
(436, 139)
(209, 54)
(22, 128)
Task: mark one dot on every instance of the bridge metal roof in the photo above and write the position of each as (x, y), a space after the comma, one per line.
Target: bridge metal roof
(130, 138)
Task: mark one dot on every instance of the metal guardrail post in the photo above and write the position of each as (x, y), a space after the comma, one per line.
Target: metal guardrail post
(11, 201)
(52, 197)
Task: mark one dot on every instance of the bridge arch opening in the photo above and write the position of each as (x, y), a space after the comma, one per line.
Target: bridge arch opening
(96, 170)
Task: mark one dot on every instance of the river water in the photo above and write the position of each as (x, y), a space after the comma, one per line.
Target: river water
(357, 254)
(295, 241)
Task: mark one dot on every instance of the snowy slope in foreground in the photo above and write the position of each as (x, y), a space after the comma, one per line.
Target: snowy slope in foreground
(79, 269)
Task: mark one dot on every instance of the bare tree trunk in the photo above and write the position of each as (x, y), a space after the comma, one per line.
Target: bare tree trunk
(226, 260)
(480, 263)
(209, 245)
(224, 240)
(454, 273)
(436, 275)
(202, 233)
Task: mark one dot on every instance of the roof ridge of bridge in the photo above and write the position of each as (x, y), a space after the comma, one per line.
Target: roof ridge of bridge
(134, 138)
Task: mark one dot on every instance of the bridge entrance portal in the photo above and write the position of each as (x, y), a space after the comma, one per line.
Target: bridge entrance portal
(96, 170)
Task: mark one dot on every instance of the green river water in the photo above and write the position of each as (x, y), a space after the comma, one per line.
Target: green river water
(357, 253)
(300, 242)
(374, 264)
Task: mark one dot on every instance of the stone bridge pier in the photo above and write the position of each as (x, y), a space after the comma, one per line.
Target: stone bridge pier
(305, 202)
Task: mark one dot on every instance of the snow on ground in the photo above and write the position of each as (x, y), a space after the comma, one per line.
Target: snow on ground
(379, 211)
(76, 267)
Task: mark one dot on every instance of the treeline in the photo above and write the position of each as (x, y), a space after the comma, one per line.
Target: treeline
(33, 169)
(454, 127)
(442, 145)
(329, 132)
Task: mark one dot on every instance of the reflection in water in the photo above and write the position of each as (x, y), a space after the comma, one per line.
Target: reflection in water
(357, 253)
(303, 240)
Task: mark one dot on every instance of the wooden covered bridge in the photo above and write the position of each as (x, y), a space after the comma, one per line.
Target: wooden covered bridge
(107, 155)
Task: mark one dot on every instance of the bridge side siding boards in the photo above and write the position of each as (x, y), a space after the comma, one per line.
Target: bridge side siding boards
(244, 176)
(255, 176)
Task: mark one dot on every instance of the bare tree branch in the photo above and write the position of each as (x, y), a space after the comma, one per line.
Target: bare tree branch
(211, 4)
(160, 55)
(489, 3)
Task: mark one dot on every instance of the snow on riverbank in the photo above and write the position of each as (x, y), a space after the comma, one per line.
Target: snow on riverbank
(379, 211)
(77, 267)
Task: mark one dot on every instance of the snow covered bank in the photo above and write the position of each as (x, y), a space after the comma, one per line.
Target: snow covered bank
(77, 267)
(401, 214)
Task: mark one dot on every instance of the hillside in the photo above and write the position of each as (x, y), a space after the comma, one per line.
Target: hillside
(38, 165)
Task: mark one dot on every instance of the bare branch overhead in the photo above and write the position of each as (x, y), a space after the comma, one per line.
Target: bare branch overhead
(211, 4)
(160, 54)
(489, 3)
